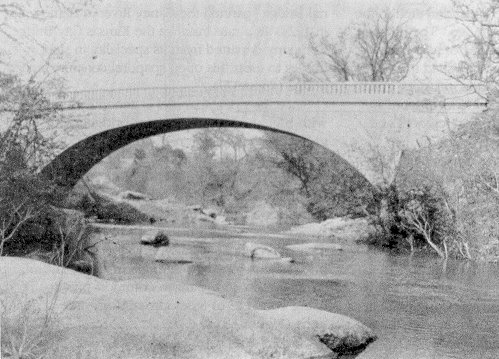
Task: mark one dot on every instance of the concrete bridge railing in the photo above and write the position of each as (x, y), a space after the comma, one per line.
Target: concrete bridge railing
(344, 92)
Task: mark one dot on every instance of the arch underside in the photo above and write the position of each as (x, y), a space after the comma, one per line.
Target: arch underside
(73, 163)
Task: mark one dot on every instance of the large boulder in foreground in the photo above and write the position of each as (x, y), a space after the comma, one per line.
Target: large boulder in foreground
(144, 318)
(259, 251)
(341, 334)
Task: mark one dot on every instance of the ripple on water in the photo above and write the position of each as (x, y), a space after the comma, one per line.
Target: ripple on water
(420, 308)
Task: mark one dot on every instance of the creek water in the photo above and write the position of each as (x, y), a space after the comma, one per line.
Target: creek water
(418, 306)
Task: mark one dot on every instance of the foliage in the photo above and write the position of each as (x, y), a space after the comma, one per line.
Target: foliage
(295, 156)
(30, 113)
(416, 218)
(24, 150)
(231, 174)
(464, 168)
(332, 187)
(107, 210)
(382, 47)
(226, 170)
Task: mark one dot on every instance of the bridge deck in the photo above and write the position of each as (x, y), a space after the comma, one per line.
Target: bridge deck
(345, 92)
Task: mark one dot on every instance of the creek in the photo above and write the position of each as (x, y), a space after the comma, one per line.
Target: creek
(419, 307)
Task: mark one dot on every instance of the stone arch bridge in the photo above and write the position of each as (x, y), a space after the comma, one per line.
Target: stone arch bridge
(347, 118)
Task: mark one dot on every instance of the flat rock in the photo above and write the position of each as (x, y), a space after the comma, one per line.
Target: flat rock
(341, 334)
(174, 255)
(134, 196)
(315, 247)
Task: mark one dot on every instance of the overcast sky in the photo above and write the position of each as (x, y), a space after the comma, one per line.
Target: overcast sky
(170, 43)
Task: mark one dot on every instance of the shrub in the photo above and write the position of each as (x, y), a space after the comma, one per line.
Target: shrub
(464, 167)
(29, 220)
(28, 329)
(108, 210)
(413, 219)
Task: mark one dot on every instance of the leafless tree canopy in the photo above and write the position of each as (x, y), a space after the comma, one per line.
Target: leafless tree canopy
(12, 10)
(479, 49)
(383, 47)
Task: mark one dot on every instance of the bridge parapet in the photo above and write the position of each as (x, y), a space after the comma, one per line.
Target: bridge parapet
(344, 92)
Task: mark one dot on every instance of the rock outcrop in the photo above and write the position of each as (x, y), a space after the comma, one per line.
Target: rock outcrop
(342, 228)
(341, 334)
(143, 318)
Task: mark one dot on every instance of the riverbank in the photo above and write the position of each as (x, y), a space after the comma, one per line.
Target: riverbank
(87, 317)
(342, 229)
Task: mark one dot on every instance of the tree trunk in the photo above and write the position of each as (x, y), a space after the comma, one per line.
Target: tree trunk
(434, 246)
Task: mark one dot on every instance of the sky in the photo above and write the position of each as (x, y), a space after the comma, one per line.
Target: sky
(119, 43)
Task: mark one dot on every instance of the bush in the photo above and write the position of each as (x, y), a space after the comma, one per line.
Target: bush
(30, 223)
(27, 332)
(465, 167)
(332, 187)
(107, 210)
(25, 206)
(414, 219)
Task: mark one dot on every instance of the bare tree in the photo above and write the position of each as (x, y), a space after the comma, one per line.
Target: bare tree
(10, 10)
(478, 48)
(24, 150)
(418, 217)
(330, 185)
(383, 47)
(294, 156)
(15, 15)
(14, 217)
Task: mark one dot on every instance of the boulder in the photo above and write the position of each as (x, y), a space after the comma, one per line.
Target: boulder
(341, 334)
(155, 239)
(262, 214)
(139, 318)
(137, 196)
(259, 251)
(174, 255)
(83, 266)
(343, 228)
(210, 212)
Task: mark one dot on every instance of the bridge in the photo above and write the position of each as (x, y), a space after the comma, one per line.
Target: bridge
(348, 118)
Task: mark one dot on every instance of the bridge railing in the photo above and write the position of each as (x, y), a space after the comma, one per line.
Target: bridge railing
(345, 92)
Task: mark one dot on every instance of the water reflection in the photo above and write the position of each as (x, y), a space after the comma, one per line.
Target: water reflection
(419, 307)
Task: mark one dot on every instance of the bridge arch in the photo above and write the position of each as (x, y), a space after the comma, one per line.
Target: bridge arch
(67, 168)
(346, 118)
